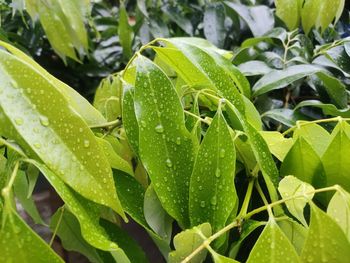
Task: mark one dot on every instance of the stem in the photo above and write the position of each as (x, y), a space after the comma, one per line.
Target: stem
(13, 147)
(109, 125)
(246, 200)
(6, 190)
(238, 220)
(57, 227)
(302, 123)
(261, 193)
(197, 117)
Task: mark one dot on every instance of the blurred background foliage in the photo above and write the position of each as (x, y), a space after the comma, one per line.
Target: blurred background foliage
(81, 42)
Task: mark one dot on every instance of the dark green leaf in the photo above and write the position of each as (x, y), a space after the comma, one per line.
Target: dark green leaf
(125, 31)
(214, 24)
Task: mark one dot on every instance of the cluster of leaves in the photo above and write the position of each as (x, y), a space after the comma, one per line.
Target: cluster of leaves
(177, 140)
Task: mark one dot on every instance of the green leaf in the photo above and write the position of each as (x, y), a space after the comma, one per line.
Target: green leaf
(56, 135)
(187, 241)
(339, 210)
(212, 191)
(128, 244)
(131, 197)
(221, 259)
(68, 229)
(315, 135)
(129, 118)
(326, 241)
(320, 13)
(278, 79)
(284, 116)
(273, 246)
(166, 147)
(335, 161)
(125, 31)
(21, 190)
(254, 68)
(335, 89)
(289, 12)
(292, 186)
(303, 162)
(77, 102)
(214, 24)
(87, 213)
(328, 109)
(63, 23)
(116, 161)
(155, 215)
(108, 98)
(20, 244)
(259, 18)
(178, 18)
(278, 145)
(247, 228)
(295, 232)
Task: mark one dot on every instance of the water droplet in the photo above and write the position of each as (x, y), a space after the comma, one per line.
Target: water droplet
(168, 163)
(159, 128)
(178, 140)
(213, 200)
(19, 121)
(81, 129)
(44, 121)
(37, 145)
(202, 204)
(86, 143)
(222, 153)
(217, 173)
(143, 124)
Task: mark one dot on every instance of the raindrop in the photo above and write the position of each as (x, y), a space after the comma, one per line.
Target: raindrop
(44, 121)
(168, 163)
(178, 140)
(19, 121)
(213, 200)
(86, 143)
(217, 173)
(37, 145)
(222, 153)
(202, 204)
(159, 128)
(143, 124)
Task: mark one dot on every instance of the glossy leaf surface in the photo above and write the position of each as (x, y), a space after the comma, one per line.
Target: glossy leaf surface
(45, 134)
(212, 191)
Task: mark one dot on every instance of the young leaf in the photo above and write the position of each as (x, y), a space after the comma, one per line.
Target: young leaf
(114, 159)
(20, 244)
(303, 162)
(166, 147)
(289, 12)
(55, 135)
(326, 241)
(278, 145)
(273, 246)
(108, 98)
(291, 186)
(328, 109)
(125, 31)
(278, 79)
(212, 190)
(335, 161)
(314, 135)
(339, 210)
(187, 241)
(68, 229)
(87, 213)
(214, 24)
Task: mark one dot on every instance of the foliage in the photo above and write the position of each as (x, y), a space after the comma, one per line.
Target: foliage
(175, 140)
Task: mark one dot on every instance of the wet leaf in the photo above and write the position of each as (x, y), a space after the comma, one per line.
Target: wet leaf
(278, 145)
(273, 246)
(187, 241)
(53, 133)
(166, 147)
(212, 191)
(295, 232)
(326, 241)
(291, 186)
(125, 32)
(214, 24)
(289, 12)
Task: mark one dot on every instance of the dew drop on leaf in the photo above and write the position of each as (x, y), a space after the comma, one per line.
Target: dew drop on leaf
(202, 204)
(168, 163)
(44, 121)
(19, 121)
(222, 153)
(86, 143)
(159, 128)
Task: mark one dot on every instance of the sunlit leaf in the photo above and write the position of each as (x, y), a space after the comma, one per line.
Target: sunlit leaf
(278, 144)
(326, 241)
(125, 31)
